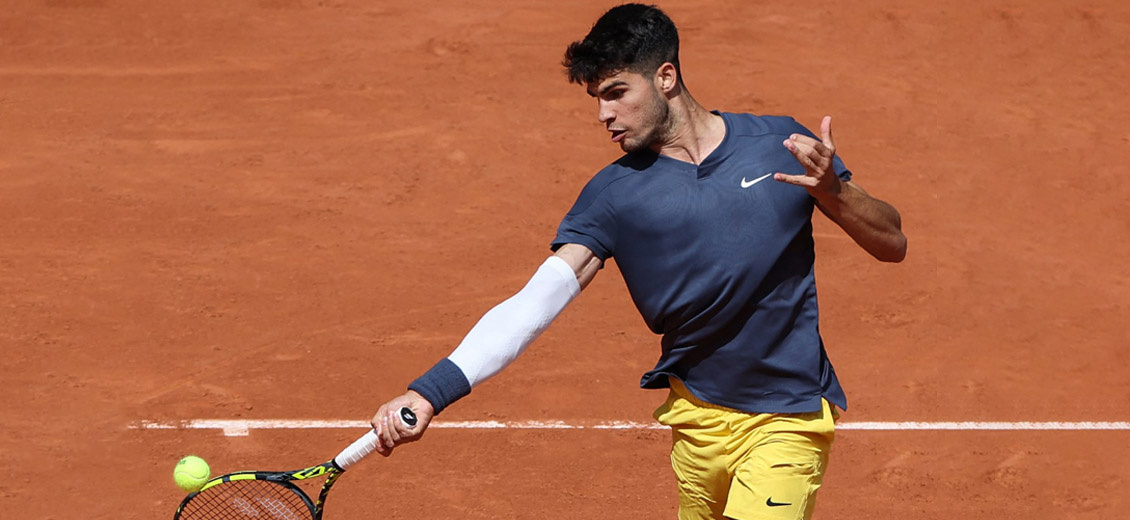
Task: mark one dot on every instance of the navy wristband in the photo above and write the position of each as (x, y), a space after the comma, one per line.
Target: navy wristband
(442, 385)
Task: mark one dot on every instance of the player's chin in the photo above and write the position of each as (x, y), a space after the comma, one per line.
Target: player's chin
(632, 145)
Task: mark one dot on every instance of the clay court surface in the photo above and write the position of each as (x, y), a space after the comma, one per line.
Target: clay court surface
(288, 209)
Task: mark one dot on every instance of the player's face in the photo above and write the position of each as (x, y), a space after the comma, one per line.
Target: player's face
(632, 109)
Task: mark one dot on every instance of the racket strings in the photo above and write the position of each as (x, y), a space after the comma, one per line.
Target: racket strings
(243, 499)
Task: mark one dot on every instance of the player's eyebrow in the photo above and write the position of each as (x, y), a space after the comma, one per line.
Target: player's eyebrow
(607, 87)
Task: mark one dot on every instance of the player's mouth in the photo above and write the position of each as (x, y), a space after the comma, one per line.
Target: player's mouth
(617, 135)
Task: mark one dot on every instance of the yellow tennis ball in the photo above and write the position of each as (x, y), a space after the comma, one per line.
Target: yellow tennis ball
(191, 473)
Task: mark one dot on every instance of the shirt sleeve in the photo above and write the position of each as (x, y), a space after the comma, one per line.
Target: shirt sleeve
(591, 222)
(841, 170)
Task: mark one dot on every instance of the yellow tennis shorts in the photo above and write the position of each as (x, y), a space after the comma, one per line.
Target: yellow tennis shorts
(732, 464)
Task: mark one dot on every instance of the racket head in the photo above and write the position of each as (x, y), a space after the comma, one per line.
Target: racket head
(249, 494)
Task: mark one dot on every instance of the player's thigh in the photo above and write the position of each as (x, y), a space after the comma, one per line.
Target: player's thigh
(698, 458)
(700, 472)
(779, 477)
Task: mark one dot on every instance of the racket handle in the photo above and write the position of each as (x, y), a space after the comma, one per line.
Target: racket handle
(362, 447)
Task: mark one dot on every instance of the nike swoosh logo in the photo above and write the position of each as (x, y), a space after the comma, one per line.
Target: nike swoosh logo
(769, 501)
(746, 184)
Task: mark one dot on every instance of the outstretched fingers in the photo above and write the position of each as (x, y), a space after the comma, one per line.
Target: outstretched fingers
(815, 155)
(826, 133)
(803, 181)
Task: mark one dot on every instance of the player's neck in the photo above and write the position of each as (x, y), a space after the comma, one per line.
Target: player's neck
(693, 131)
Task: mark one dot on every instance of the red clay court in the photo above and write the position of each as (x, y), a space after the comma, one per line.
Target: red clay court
(288, 209)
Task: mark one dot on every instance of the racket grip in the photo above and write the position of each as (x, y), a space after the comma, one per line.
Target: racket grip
(362, 447)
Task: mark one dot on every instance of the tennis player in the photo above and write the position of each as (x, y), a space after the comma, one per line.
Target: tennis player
(709, 217)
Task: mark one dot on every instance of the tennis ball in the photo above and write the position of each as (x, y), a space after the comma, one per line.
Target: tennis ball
(191, 473)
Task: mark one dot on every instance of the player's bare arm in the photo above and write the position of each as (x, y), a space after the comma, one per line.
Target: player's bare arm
(495, 341)
(582, 260)
(875, 225)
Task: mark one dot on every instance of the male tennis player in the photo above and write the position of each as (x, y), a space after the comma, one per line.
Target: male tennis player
(708, 216)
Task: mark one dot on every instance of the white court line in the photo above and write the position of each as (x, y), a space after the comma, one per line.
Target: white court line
(239, 428)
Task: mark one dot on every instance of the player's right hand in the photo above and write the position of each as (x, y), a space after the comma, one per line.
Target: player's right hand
(391, 431)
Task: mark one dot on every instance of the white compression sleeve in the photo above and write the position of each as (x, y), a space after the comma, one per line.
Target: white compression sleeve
(507, 329)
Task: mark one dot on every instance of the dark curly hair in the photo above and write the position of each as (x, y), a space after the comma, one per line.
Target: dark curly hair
(633, 37)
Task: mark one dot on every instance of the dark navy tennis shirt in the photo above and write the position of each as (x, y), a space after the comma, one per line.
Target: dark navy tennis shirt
(718, 258)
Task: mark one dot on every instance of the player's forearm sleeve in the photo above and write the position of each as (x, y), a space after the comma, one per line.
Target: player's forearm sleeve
(501, 335)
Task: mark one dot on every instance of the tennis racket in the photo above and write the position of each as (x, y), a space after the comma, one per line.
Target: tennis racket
(271, 495)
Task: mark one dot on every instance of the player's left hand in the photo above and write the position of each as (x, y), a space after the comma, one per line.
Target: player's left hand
(816, 156)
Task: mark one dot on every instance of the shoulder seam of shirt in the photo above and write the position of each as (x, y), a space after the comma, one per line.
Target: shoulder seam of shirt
(752, 132)
(606, 185)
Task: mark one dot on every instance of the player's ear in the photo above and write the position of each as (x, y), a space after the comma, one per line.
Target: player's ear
(666, 77)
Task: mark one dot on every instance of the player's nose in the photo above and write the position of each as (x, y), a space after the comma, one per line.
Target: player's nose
(604, 113)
